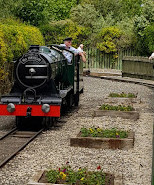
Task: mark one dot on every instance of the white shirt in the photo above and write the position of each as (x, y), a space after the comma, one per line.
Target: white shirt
(80, 49)
(69, 55)
(152, 56)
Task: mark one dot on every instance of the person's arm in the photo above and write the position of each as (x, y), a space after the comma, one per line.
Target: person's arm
(82, 56)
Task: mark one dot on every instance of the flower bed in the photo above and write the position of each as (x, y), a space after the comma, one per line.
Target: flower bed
(126, 112)
(105, 139)
(122, 98)
(116, 108)
(123, 95)
(105, 133)
(66, 175)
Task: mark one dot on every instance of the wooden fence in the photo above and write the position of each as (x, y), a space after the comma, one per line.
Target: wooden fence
(98, 59)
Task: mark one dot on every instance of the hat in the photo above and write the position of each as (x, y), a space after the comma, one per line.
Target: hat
(68, 39)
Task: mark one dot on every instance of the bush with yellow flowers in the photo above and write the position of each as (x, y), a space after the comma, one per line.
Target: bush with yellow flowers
(66, 175)
(15, 39)
(104, 133)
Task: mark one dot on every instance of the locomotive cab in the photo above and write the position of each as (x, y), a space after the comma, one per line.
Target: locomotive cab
(43, 81)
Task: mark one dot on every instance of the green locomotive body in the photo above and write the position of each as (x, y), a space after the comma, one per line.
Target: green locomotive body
(44, 82)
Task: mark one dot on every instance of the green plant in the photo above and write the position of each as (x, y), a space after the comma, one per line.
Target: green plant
(116, 108)
(66, 175)
(104, 133)
(15, 38)
(56, 31)
(108, 39)
(123, 95)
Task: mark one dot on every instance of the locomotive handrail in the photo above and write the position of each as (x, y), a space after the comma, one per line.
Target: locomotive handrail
(55, 46)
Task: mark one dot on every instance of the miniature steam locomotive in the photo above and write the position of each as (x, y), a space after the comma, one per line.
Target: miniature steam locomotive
(44, 82)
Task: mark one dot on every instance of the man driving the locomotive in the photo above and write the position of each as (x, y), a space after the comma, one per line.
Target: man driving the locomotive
(68, 46)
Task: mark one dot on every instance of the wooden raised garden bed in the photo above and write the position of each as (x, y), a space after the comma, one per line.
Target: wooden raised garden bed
(126, 98)
(120, 100)
(103, 143)
(40, 179)
(127, 114)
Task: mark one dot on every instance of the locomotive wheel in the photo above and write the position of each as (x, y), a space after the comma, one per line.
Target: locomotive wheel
(76, 99)
(19, 122)
(48, 122)
(69, 101)
(32, 123)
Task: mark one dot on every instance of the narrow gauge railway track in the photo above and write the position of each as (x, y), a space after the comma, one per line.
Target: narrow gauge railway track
(13, 142)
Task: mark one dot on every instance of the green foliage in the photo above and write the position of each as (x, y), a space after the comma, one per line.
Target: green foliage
(89, 18)
(105, 6)
(33, 11)
(15, 38)
(149, 38)
(140, 25)
(128, 37)
(104, 133)
(18, 38)
(66, 175)
(56, 31)
(123, 95)
(39, 12)
(148, 10)
(86, 16)
(119, 8)
(7, 7)
(131, 7)
(60, 9)
(116, 108)
(109, 38)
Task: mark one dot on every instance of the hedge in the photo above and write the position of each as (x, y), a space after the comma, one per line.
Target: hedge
(15, 39)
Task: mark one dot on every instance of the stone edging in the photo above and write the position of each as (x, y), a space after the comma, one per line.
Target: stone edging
(118, 180)
(103, 143)
(123, 114)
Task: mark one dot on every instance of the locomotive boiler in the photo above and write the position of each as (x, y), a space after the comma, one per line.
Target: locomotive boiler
(44, 83)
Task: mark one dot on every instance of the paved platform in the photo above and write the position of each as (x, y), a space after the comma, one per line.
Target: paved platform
(117, 76)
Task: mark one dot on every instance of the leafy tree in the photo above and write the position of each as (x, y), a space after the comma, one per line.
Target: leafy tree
(119, 8)
(149, 38)
(105, 6)
(56, 31)
(148, 10)
(86, 16)
(60, 9)
(34, 11)
(131, 7)
(38, 12)
(140, 24)
(128, 38)
(7, 7)
(108, 39)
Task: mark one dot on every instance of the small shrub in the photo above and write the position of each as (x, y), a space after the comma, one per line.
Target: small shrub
(15, 39)
(109, 38)
(116, 108)
(123, 95)
(66, 175)
(104, 133)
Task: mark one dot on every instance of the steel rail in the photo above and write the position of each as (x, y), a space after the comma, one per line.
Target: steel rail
(19, 149)
(8, 133)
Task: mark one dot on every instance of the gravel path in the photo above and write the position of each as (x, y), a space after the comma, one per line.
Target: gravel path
(52, 150)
